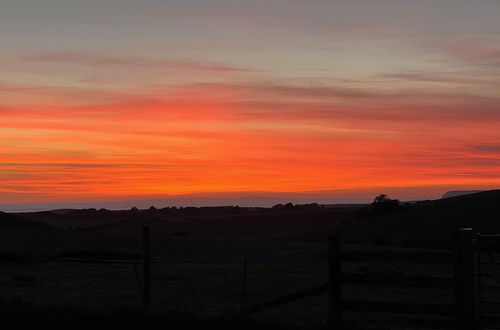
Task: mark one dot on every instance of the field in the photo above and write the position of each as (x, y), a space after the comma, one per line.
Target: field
(213, 288)
(87, 263)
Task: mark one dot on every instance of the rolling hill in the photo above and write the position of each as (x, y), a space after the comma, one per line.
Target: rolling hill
(420, 224)
(428, 222)
(13, 221)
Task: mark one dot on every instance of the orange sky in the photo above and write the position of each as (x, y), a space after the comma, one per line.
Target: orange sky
(410, 115)
(217, 138)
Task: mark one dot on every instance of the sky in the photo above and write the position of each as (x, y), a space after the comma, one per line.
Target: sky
(109, 100)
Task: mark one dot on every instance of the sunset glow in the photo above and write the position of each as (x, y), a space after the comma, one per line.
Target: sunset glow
(183, 97)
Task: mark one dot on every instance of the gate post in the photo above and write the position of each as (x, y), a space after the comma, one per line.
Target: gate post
(467, 286)
(146, 269)
(334, 284)
(243, 311)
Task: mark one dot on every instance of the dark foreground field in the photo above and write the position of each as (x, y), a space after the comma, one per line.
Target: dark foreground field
(81, 268)
(202, 291)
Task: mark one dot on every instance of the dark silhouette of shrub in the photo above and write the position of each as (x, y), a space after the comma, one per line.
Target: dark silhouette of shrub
(313, 206)
(383, 204)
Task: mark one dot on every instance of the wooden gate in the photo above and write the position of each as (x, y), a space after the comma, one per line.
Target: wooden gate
(487, 281)
(470, 310)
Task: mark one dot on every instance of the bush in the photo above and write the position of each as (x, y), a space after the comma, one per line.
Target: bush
(383, 204)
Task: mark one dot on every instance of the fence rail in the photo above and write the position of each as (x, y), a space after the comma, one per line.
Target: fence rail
(469, 310)
(485, 253)
(464, 311)
(388, 307)
(398, 280)
(398, 256)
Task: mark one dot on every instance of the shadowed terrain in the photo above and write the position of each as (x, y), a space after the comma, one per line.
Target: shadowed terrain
(74, 259)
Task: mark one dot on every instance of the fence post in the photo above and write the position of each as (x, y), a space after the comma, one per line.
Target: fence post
(334, 284)
(146, 269)
(467, 288)
(457, 273)
(243, 312)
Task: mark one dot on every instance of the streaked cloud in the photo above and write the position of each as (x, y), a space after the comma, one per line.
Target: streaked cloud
(285, 96)
(490, 148)
(101, 60)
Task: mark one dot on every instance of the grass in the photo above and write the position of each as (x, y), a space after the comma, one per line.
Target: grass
(18, 314)
(198, 290)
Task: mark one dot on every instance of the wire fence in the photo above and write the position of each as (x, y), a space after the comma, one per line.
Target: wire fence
(320, 284)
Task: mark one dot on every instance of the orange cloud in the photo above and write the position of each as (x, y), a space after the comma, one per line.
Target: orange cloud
(248, 137)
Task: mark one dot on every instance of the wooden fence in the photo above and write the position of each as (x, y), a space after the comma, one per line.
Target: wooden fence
(463, 283)
(469, 256)
(486, 264)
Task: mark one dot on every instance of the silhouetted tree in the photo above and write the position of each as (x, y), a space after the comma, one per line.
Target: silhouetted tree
(380, 199)
(383, 204)
(314, 206)
(308, 206)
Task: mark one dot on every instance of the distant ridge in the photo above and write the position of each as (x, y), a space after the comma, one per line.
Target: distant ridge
(455, 193)
(431, 223)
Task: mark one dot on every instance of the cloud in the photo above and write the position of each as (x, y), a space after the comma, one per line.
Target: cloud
(22, 88)
(492, 148)
(454, 77)
(278, 135)
(91, 165)
(259, 101)
(473, 52)
(101, 60)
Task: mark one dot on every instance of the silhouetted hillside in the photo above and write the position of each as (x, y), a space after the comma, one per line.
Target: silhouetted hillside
(12, 221)
(428, 223)
(294, 224)
(455, 193)
(420, 224)
(86, 218)
(290, 222)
